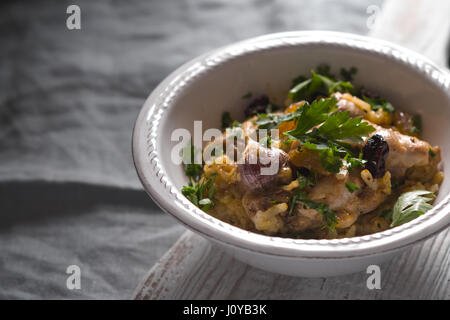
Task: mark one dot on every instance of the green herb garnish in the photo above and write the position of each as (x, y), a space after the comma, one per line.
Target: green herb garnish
(329, 138)
(304, 181)
(193, 170)
(379, 103)
(301, 198)
(318, 86)
(431, 153)
(226, 120)
(270, 121)
(411, 205)
(200, 194)
(351, 187)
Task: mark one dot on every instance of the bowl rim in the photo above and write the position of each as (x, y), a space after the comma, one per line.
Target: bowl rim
(157, 184)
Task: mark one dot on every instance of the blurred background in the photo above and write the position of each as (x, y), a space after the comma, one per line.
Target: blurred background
(69, 193)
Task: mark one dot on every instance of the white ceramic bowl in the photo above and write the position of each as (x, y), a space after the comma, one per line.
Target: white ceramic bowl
(215, 82)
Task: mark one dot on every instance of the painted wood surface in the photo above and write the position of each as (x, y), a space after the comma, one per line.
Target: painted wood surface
(194, 268)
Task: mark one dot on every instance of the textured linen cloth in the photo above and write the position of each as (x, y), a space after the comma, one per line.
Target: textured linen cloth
(69, 193)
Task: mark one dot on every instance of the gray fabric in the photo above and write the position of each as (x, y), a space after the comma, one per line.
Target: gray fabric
(68, 100)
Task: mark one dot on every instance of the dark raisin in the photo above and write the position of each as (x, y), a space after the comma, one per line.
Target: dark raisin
(258, 105)
(375, 151)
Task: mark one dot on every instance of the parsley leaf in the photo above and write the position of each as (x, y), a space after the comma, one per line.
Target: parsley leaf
(311, 115)
(270, 121)
(339, 126)
(411, 205)
(353, 162)
(304, 181)
(321, 84)
(431, 153)
(328, 139)
(194, 170)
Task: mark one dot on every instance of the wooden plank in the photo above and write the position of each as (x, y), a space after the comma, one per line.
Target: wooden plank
(195, 269)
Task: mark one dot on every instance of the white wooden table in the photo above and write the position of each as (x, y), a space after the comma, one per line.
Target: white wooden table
(194, 268)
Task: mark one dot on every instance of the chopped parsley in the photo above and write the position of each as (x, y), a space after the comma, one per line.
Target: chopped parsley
(228, 122)
(431, 153)
(351, 187)
(304, 181)
(300, 197)
(193, 170)
(378, 103)
(321, 84)
(201, 193)
(318, 86)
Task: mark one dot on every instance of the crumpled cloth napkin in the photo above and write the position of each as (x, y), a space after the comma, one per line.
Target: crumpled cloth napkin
(69, 193)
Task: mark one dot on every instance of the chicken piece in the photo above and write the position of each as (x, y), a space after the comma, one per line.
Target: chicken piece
(427, 172)
(347, 205)
(334, 193)
(404, 151)
(304, 218)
